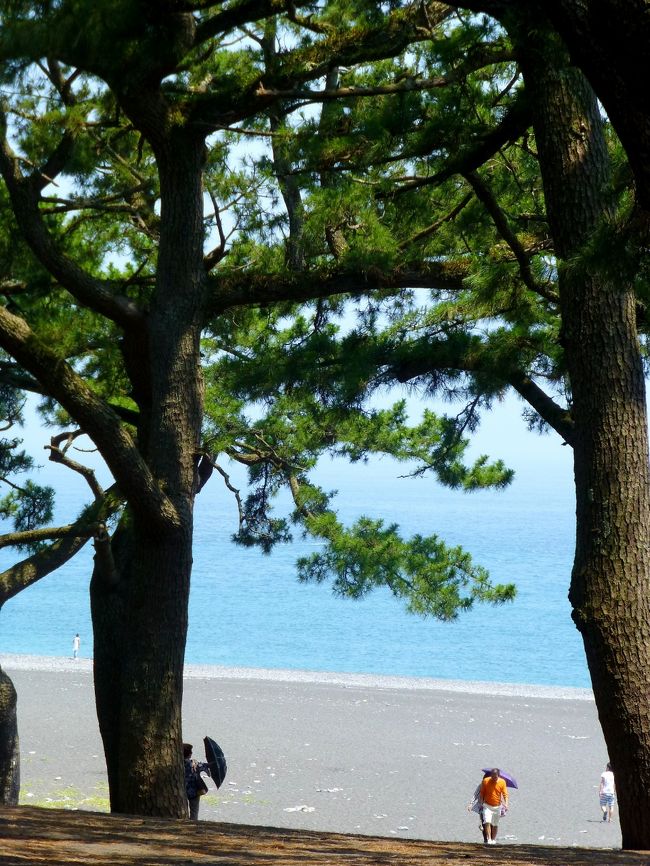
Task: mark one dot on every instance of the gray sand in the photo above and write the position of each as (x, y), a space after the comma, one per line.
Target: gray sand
(376, 755)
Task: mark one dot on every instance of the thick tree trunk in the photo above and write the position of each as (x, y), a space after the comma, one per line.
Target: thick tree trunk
(609, 40)
(140, 627)
(140, 621)
(9, 752)
(609, 584)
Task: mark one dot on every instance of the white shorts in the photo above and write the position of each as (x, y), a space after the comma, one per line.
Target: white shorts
(491, 814)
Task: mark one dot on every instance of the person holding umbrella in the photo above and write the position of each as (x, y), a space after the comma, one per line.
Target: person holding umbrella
(194, 784)
(493, 796)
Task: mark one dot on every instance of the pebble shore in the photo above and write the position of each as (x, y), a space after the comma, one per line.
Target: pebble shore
(350, 753)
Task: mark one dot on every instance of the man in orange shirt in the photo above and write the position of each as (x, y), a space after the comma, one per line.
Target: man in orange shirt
(493, 794)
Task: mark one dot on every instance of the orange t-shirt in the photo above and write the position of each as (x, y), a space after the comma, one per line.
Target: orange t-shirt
(492, 792)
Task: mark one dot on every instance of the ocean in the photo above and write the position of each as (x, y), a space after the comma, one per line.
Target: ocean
(248, 609)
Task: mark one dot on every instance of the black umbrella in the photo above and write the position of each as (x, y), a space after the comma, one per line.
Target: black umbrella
(216, 760)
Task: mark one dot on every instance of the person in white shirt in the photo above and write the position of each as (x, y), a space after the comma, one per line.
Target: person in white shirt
(607, 793)
(76, 642)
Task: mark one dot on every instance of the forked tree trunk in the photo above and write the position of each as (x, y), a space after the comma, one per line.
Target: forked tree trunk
(9, 751)
(610, 579)
(139, 626)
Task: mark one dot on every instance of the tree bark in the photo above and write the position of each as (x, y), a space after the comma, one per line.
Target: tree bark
(609, 581)
(609, 40)
(108, 603)
(140, 621)
(9, 751)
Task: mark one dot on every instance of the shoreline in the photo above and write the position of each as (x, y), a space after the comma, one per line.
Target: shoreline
(21, 662)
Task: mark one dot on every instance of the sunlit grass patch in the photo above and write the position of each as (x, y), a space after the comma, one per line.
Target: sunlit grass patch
(68, 798)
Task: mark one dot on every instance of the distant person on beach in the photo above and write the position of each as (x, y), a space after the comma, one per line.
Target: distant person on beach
(194, 784)
(493, 801)
(607, 792)
(76, 643)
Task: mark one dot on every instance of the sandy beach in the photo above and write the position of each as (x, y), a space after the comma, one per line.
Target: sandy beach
(362, 754)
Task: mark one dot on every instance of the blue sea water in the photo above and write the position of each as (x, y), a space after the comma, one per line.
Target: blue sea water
(266, 619)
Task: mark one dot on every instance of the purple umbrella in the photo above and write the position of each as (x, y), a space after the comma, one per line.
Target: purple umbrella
(510, 781)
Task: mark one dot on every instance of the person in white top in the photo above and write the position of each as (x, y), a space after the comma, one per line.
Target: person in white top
(76, 641)
(607, 793)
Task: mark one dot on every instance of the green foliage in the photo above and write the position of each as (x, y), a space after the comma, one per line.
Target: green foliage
(311, 394)
(310, 373)
(429, 577)
(417, 158)
(27, 505)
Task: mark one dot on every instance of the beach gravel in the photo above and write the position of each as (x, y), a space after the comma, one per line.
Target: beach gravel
(376, 756)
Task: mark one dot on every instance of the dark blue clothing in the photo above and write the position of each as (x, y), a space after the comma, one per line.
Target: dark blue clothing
(192, 770)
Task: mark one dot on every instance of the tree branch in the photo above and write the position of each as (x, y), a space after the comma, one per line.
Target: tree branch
(236, 16)
(24, 193)
(94, 417)
(427, 357)
(433, 228)
(243, 289)
(489, 202)
(233, 490)
(514, 124)
(58, 455)
(393, 35)
(47, 533)
(17, 378)
(70, 541)
(408, 85)
(556, 416)
(29, 571)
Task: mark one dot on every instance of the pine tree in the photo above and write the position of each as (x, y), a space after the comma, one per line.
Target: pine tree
(116, 119)
(447, 178)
